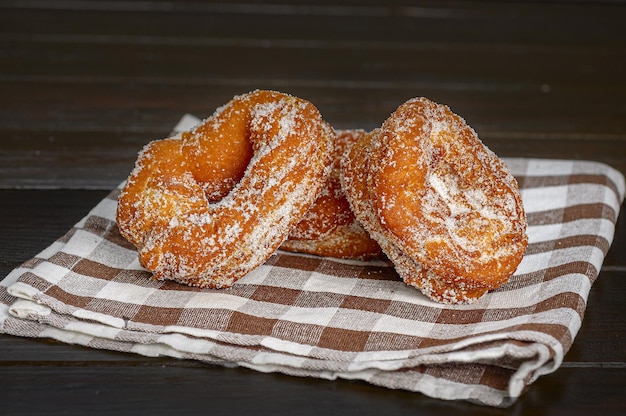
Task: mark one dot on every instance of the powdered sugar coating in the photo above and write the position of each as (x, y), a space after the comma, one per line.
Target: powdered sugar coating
(442, 206)
(330, 228)
(208, 205)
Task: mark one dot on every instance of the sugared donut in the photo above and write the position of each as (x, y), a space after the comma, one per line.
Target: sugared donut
(443, 207)
(330, 228)
(208, 205)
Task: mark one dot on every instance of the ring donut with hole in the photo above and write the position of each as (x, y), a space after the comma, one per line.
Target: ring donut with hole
(208, 205)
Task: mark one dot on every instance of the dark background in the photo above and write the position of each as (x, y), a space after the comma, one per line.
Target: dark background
(84, 84)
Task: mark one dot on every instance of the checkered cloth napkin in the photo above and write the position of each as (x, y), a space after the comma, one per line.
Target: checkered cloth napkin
(320, 317)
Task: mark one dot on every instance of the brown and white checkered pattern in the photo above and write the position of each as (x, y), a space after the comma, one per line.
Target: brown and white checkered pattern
(320, 317)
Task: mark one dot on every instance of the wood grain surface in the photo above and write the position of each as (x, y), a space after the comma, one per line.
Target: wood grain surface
(85, 85)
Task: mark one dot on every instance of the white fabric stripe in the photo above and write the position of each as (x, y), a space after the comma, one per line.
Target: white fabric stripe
(560, 167)
(187, 122)
(317, 281)
(114, 256)
(106, 209)
(559, 197)
(105, 319)
(549, 167)
(601, 227)
(67, 336)
(125, 292)
(82, 243)
(49, 272)
(103, 331)
(393, 325)
(26, 309)
(559, 257)
(51, 250)
(530, 295)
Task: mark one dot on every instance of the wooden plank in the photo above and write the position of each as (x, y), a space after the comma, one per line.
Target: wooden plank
(62, 159)
(461, 67)
(53, 159)
(614, 258)
(603, 321)
(166, 389)
(19, 351)
(85, 84)
(32, 220)
(467, 22)
(148, 105)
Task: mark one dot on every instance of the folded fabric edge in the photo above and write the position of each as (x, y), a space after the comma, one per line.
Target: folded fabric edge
(461, 351)
(428, 385)
(94, 335)
(25, 309)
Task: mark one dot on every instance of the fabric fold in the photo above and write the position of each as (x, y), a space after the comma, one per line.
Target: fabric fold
(320, 317)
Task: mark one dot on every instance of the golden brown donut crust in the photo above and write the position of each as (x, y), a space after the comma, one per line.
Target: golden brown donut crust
(207, 206)
(330, 228)
(442, 206)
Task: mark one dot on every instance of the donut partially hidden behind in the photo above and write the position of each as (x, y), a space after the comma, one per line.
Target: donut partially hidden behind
(330, 228)
(443, 207)
(209, 205)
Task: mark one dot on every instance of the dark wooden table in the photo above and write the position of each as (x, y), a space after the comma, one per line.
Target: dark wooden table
(83, 85)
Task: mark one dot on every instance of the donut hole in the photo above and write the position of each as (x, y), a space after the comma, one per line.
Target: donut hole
(216, 160)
